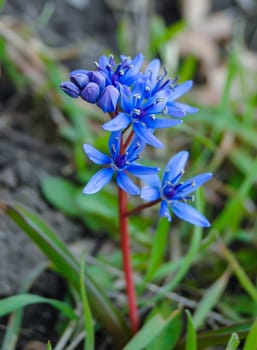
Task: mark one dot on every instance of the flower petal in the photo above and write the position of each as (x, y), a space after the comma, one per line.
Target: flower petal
(97, 182)
(96, 156)
(124, 182)
(184, 108)
(146, 135)
(164, 210)
(175, 167)
(151, 180)
(114, 143)
(109, 99)
(153, 69)
(121, 121)
(189, 214)
(149, 193)
(138, 169)
(70, 89)
(155, 123)
(192, 184)
(174, 111)
(180, 90)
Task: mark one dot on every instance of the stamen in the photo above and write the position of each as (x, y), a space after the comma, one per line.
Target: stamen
(137, 96)
(96, 64)
(193, 183)
(136, 111)
(165, 111)
(114, 148)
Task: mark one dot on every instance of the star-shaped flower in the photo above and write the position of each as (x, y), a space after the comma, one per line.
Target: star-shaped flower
(119, 163)
(174, 194)
(142, 113)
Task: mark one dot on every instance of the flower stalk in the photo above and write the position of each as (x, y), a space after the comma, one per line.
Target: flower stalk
(126, 257)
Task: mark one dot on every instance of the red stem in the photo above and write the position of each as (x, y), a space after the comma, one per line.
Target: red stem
(141, 207)
(125, 248)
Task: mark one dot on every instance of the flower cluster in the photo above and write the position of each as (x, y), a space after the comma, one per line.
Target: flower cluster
(140, 101)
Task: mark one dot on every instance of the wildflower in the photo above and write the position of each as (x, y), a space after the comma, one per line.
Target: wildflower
(141, 112)
(156, 81)
(119, 163)
(92, 87)
(124, 73)
(174, 194)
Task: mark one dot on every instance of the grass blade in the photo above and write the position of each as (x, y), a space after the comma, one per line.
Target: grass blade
(233, 342)
(149, 332)
(14, 324)
(16, 302)
(210, 299)
(243, 279)
(251, 340)
(191, 339)
(68, 267)
(88, 321)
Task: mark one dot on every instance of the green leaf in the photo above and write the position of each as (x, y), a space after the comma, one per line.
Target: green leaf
(158, 248)
(16, 302)
(61, 194)
(210, 299)
(150, 331)
(233, 342)
(219, 336)
(242, 277)
(191, 339)
(169, 336)
(68, 267)
(251, 340)
(11, 335)
(88, 320)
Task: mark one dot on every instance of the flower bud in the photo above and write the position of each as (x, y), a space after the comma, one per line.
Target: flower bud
(80, 78)
(98, 78)
(90, 93)
(109, 99)
(70, 89)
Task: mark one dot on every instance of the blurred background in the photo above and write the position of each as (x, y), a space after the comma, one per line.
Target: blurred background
(213, 42)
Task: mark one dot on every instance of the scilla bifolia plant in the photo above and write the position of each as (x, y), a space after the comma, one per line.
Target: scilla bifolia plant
(137, 102)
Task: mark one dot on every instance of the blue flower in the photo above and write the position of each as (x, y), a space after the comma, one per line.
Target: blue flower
(119, 163)
(92, 87)
(174, 194)
(156, 81)
(125, 72)
(141, 112)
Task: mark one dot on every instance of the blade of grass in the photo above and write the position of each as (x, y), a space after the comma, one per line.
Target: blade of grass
(149, 332)
(191, 338)
(233, 211)
(210, 299)
(188, 259)
(233, 342)
(251, 340)
(220, 336)
(65, 337)
(68, 267)
(14, 324)
(243, 279)
(16, 302)
(158, 249)
(88, 321)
